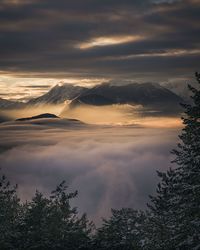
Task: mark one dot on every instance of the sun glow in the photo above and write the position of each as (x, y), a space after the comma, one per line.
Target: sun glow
(23, 88)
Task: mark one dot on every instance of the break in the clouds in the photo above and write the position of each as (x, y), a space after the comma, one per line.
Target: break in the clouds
(92, 38)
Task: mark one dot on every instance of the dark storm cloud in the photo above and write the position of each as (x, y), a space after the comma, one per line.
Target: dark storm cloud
(49, 36)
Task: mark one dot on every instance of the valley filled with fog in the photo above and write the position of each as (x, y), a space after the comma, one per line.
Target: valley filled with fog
(109, 154)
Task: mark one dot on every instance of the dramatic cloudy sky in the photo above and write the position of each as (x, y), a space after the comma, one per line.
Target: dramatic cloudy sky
(44, 41)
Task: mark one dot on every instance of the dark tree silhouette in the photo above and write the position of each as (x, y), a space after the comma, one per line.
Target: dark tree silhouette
(174, 216)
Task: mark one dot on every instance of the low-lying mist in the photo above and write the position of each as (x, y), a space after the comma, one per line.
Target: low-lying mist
(120, 115)
(111, 167)
(12, 114)
(111, 158)
(99, 115)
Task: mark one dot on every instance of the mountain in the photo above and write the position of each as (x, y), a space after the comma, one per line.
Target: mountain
(58, 94)
(180, 89)
(145, 94)
(45, 120)
(6, 104)
(42, 116)
(91, 99)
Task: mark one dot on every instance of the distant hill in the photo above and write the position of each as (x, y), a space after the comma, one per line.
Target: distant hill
(41, 116)
(58, 94)
(45, 120)
(145, 94)
(6, 104)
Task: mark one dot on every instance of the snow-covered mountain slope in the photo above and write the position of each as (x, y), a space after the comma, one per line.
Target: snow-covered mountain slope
(180, 89)
(145, 94)
(58, 94)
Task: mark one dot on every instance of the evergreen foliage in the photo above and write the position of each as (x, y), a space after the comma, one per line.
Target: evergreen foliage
(174, 213)
(120, 232)
(43, 223)
(9, 214)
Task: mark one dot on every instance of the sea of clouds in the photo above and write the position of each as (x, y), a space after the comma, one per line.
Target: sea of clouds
(110, 166)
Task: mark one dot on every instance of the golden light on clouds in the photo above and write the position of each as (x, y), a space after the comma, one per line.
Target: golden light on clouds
(166, 53)
(120, 115)
(174, 52)
(106, 41)
(22, 88)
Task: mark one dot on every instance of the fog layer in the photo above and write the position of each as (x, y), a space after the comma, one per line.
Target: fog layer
(110, 166)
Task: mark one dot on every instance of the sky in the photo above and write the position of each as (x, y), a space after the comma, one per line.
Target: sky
(46, 42)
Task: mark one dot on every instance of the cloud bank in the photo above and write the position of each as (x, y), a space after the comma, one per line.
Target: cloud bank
(111, 167)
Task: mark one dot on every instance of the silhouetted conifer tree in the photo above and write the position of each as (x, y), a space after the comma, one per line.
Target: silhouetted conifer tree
(9, 215)
(120, 232)
(174, 216)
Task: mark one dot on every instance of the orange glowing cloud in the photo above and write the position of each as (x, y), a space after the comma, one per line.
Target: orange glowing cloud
(106, 41)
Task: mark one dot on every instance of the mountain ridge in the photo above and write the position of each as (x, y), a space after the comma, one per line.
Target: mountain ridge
(7, 104)
(145, 94)
(58, 94)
